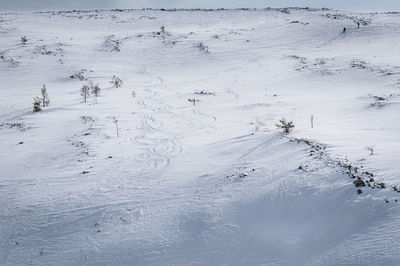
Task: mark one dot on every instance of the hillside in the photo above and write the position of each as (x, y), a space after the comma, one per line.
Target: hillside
(198, 172)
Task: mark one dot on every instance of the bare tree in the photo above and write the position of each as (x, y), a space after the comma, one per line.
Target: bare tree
(45, 97)
(285, 125)
(85, 91)
(96, 90)
(36, 104)
(116, 81)
(371, 149)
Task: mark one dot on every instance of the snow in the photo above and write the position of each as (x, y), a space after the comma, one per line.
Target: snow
(210, 183)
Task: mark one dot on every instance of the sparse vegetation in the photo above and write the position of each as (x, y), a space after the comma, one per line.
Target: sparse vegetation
(194, 101)
(49, 50)
(371, 149)
(312, 121)
(162, 33)
(10, 60)
(45, 97)
(17, 125)
(80, 75)
(24, 40)
(36, 104)
(113, 44)
(285, 125)
(85, 92)
(115, 121)
(202, 47)
(204, 92)
(381, 101)
(43, 101)
(116, 81)
(96, 91)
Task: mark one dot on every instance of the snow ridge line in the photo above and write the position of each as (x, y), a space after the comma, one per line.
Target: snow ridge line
(363, 178)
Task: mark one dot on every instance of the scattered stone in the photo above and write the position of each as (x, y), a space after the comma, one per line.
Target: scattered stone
(359, 183)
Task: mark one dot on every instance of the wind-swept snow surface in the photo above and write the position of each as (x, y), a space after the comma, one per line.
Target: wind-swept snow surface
(199, 174)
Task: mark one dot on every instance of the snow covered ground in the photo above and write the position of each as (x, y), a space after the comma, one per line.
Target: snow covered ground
(210, 183)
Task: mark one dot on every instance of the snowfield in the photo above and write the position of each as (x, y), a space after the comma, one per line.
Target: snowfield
(199, 174)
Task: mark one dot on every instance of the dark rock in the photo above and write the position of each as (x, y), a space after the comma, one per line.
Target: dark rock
(359, 183)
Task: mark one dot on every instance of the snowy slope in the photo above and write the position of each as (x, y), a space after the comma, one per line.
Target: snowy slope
(215, 183)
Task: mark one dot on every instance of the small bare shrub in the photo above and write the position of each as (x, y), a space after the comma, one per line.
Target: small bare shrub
(96, 91)
(162, 33)
(194, 101)
(202, 47)
(36, 104)
(24, 40)
(113, 44)
(116, 81)
(371, 149)
(45, 97)
(285, 125)
(54, 50)
(80, 75)
(85, 92)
